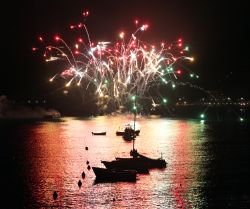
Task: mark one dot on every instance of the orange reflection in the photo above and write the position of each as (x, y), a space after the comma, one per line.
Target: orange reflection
(57, 156)
(182, 162)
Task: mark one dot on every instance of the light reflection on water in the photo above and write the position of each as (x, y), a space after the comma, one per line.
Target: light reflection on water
(56, 157)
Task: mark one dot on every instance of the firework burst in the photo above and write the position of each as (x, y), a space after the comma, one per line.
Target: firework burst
(117, 70)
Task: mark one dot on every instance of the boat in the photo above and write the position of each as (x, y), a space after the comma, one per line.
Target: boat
(129, 135)
(137, 161)
(52, 117)
(137, 164)
(104, 174)
(128, 131)
(151, 162)
(98, 133)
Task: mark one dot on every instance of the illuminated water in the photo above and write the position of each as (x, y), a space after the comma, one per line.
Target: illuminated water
(207, 167)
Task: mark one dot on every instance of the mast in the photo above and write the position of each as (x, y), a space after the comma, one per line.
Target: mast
(135, 108)
(134, 131)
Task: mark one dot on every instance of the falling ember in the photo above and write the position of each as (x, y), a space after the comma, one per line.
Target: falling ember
(57, 38)
(144, 27)
(180, 44)
(116, 69)
(190, 58)
(40, 38)
(121, 35)
(51, 79)
(85, 13)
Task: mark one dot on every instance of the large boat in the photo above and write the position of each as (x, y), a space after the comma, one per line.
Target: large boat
(137, 164)
(104, 174)
(151, 162)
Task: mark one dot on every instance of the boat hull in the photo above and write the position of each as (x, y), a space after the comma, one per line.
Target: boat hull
(136, 164)
(98, 133)
(152, 163)
(119, 133)
(157, 163)
(122, 133)
(103, 174)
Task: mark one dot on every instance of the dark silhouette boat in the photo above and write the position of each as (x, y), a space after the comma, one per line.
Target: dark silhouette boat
(137, 164)
(128, 132)
(151, 162)
(104, 174)
(129, 135)
(99, 133)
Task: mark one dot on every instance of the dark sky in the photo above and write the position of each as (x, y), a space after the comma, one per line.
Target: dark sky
(218, 34)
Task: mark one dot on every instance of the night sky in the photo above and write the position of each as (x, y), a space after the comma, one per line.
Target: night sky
(217, 33)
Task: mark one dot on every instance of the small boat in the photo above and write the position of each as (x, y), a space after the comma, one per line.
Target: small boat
(104, 174)
(129, 134)
(128, 131)
(99, 133)
(52, 118)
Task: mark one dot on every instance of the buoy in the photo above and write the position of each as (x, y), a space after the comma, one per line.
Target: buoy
(55, 195)
(87, 162)
(88, 167)
(79, 183)
(83, 175)
(86, 148)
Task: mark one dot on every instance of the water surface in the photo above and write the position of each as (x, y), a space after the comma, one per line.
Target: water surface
(207, 166)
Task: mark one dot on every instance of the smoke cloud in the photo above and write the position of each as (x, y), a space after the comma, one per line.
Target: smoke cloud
(13, 111)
